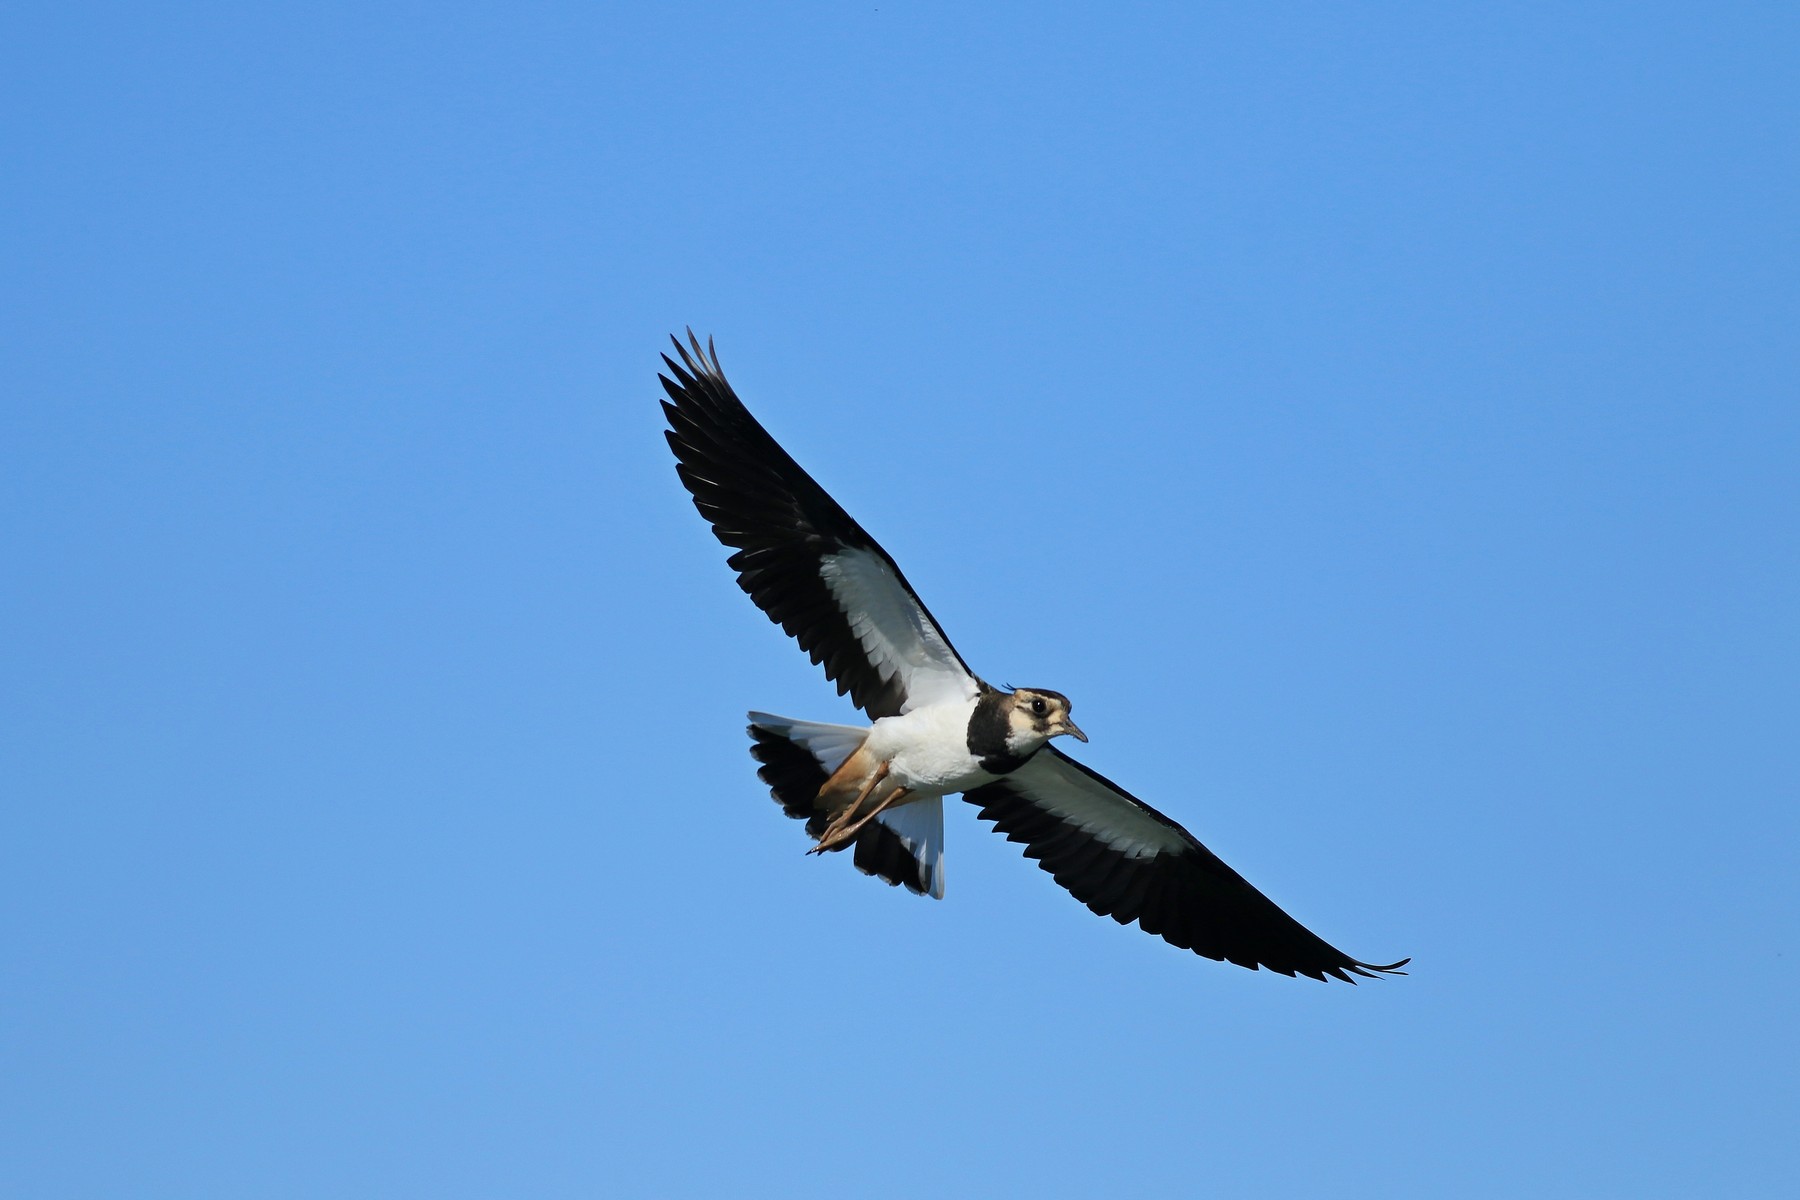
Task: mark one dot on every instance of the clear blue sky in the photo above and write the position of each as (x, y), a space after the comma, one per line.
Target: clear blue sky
(1409, 401)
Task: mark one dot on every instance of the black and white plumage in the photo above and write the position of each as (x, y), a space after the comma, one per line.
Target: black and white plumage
(937, 727)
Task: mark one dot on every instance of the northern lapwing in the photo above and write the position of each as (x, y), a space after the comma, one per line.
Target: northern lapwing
(938, 728)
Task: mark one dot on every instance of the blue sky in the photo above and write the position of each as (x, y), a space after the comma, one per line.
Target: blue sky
(1409, 401)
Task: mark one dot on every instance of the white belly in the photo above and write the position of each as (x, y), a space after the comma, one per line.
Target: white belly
(928, 749)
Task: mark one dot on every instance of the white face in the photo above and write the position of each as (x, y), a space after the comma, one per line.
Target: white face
(1034, 716)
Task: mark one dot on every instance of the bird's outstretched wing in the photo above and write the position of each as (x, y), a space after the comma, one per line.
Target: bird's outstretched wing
(1125, 860)
(801, 557)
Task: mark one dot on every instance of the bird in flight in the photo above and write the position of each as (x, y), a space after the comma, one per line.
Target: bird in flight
(937, 727)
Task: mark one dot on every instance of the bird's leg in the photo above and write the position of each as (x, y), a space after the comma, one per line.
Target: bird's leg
(894, 797)
(833, 837)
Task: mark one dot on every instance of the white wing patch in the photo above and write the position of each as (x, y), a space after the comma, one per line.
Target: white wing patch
(920, 828)
(897, 635)
(1052, 784)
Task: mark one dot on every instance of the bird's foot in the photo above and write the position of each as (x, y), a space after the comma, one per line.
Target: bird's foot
(833, 841)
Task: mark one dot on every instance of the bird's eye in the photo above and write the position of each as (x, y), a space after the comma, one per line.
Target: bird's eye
(1039, 707)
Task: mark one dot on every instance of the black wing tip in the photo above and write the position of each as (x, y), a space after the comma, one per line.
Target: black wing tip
(1377, 971)
(701, 361)
(1345, 972)
(693, 369)
(1349, 972)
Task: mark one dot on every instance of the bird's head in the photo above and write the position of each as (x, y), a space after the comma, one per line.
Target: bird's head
(1034, 716)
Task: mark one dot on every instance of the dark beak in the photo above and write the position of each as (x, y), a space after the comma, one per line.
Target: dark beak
(1072, 729)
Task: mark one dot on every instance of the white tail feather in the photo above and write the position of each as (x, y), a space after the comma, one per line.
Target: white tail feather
(920, 828)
